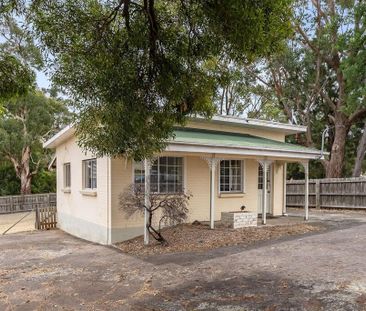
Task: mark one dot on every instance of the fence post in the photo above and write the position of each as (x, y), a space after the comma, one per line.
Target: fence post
(37, 218)
(11, 204)
(317, 194)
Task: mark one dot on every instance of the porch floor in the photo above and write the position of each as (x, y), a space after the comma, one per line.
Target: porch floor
(282, 220)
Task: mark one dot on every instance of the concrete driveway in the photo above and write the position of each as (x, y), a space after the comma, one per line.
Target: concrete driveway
(21, 222)
(54, 271)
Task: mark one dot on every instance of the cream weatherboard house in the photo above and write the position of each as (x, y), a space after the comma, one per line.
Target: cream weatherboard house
(220, 161)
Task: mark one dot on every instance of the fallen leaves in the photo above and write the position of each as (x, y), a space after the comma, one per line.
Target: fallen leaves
(188, 237)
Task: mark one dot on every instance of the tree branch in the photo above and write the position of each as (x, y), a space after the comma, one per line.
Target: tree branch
(357, 115)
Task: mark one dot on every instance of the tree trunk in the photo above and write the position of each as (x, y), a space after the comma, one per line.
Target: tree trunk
(361, 150)
(25, 183)
(222, 101)
(334, 166)
(25, 174)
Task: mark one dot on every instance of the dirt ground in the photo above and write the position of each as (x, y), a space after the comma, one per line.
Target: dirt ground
(200, 238)
(27, 221)
(323, 270)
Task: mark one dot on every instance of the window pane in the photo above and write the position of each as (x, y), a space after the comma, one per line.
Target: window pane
(67, 175)
(170, 174)
(154, 187)
(90, 174)
(171, 187)
(154, 179)
(231, 175)
(163, 188)
(179, 187)
(166, 175)
(171, 161)
(86, 174)
(260, 177)
(163, 160)
(94, 174)
(139, 173)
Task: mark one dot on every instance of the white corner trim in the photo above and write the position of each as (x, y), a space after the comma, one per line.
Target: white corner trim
(89, 192)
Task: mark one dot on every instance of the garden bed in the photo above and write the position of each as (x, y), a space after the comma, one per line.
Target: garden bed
(189, 237)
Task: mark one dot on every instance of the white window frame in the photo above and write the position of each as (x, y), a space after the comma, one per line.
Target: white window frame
(84, 164)
(138, 163)
(67, 173)
(242, 188)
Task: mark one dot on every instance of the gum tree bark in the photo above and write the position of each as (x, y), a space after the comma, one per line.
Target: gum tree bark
(361, 150)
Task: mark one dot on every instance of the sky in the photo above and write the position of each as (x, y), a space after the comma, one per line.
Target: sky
(42, 80)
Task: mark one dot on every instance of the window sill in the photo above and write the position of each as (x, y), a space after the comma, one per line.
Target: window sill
(66, 190)
(232, 195)
(89, 192)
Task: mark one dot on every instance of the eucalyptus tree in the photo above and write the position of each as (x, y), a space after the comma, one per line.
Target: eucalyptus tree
(319, 79)
(26, 123)
(18, 53)
(135, 69)
(334, 32)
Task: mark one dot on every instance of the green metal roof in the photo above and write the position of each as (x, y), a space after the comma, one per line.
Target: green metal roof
(226, 139)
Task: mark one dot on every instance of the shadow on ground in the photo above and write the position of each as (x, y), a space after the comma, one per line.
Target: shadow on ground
(189, 258)
(259, 291)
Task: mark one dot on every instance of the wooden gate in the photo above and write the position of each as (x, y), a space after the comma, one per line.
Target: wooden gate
(46, 218)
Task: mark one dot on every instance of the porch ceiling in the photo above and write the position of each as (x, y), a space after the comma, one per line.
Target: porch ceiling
(224, 142)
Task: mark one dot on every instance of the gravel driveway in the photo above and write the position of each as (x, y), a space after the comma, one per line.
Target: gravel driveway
(318, 271)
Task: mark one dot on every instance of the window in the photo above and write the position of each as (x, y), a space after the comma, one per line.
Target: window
(67, 175)
(90, 174)
(166, 175)
(260, 177)
(139, 173)
(231, 176)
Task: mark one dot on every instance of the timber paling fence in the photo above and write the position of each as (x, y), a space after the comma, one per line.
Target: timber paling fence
(348, 193)
(27, 202)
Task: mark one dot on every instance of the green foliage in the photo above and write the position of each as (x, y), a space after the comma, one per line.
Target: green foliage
(44, 181)
(318, 80)
(15, 77)
(136, 69)
(354, 65)
(26, 123)
(10, 184)
(18, 53)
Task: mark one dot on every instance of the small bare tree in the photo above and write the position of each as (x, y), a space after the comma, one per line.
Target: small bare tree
(172, 208)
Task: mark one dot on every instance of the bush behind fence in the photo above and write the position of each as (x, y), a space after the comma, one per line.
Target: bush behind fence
(347, 193)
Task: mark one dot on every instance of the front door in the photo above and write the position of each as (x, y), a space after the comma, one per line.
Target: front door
(260, 189)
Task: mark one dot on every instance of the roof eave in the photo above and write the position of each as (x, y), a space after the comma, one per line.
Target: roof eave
(60, 137)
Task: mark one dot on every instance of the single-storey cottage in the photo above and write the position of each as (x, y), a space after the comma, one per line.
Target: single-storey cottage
(225, 163)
